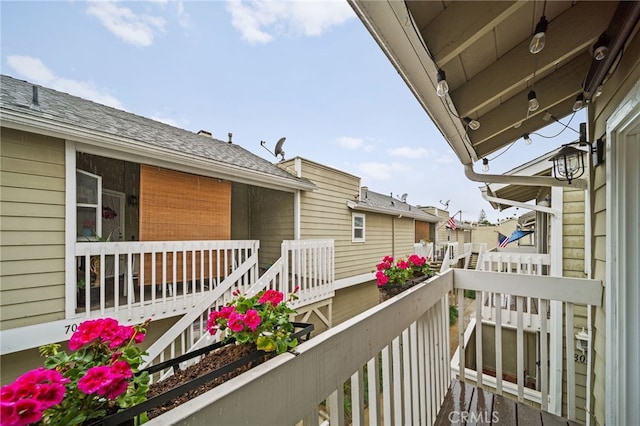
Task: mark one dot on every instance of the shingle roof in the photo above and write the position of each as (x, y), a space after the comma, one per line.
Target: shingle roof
(64, 109)
(370, 200)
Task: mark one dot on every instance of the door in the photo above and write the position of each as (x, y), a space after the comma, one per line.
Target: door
(113, 225)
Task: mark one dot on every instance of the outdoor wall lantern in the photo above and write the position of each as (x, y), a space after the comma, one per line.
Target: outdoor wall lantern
(568, 163)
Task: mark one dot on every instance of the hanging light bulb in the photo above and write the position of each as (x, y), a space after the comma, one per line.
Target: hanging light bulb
(443, 87)
(471, 123)
(601, 48)
(579, 103)
(527, 139)
(539, 36)
(533, 101)
(485, 165)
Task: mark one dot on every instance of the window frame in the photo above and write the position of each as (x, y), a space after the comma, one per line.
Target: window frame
(355, 239)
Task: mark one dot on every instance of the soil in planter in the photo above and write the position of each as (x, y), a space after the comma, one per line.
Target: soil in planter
(213, 361)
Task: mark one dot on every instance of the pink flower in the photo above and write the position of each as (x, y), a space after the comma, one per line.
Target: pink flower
(381, 278)
(271, 296)
(252, 319)
(295, 290)
(235, 322)
(388, 259)
(96, 379)
(20, 413)
(121, 369)
(417, 260)
(403, 264)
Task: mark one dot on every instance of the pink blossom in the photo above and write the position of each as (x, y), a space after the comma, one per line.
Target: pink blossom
(122, 369)
(381, 278)
(271, 296)
(95, 379)
(403, 264)
(295, 290)
(252, 319)
(388, 259)
(417, 260)
(20, 413)
(235, 322)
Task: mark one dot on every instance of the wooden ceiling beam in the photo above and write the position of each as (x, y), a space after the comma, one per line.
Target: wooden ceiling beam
(570, 33)
(472, 19)
(550, 91)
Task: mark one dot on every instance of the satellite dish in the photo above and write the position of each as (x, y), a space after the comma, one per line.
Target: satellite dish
(278, 150)
(403, 198)
(445, 204)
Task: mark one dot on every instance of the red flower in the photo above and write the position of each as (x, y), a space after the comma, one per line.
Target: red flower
(272, 296)
(381, 278)
(235, 322)
(252, 319)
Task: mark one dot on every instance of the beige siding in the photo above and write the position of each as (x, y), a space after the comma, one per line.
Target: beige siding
(573, 239)
(32, 197)
(324, 214)
(271, 221)
(626, 74)
(351, 301)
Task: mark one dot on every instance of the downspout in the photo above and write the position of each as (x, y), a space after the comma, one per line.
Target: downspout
(522, 180)
(513, 203)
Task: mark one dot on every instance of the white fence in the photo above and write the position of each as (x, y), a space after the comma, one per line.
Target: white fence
(564, 292)
(397, 353)
(306, 267)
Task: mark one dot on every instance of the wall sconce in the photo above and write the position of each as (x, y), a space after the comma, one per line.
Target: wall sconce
(582, 341)
(132, 201)
(568, 163)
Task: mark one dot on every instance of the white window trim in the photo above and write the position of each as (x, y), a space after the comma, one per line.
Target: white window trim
(353, 228)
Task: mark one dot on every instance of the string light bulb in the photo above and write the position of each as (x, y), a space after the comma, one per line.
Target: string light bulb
(471, 123)
(579, 103)
(533, 101)
(443, 88)
(527, 139)
(539, 37)
(485, 164)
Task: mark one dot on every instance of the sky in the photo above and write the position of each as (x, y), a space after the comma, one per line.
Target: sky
(262, 70)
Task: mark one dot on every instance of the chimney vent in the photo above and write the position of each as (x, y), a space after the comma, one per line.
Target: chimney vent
(35, 102)
(205, 133)
(230, 137)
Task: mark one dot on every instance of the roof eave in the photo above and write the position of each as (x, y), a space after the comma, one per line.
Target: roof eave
(150, 154)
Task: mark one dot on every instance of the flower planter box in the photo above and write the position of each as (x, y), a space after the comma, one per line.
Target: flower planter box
(387, 291)
(125, 417)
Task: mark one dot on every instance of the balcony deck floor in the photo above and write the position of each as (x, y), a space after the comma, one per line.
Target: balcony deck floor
(466, 404)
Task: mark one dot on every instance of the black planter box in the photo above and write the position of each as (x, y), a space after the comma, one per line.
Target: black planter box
(126, 417)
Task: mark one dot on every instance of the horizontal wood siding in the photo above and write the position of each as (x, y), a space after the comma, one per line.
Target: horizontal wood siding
(32, 197)
(573, 238)
(271, 221)
(617, 86)
(325, 215)
(178, 206)
(351, 301)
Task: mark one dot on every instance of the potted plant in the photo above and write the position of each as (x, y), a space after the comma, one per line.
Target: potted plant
(394, 277)
(100, 376)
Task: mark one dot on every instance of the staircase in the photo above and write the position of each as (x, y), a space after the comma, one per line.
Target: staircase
(473, 261)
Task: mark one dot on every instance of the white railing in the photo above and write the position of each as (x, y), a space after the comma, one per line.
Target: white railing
(548, 290)
(308, 266)
(396, 352)
(132, 281)
(423, 250)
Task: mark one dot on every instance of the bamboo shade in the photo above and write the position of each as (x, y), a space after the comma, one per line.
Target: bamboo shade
(176, 206)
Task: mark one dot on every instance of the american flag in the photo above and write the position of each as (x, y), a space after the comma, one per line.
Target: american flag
(452, 223)
(503, 240)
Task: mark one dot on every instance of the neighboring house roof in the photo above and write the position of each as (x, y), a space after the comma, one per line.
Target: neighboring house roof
(378, 203)
(66, 116)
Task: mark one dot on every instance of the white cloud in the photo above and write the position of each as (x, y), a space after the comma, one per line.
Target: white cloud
(184, 19)
(33, 70)
(349, 142)
(260, 21)
(381, 171)
(409, 152)
(139, 30)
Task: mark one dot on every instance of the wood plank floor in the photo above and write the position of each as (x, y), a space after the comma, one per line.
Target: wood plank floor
(466, 404)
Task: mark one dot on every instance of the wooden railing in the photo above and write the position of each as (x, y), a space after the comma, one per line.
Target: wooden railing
(424, 250)
(557, 296)
(306, 267)
(133, 281)
(396, 353)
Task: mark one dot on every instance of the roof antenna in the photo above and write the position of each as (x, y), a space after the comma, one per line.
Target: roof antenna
(403, 198)
(35, 103)
(278, 150)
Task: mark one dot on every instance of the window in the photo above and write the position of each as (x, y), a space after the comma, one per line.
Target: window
(88, 205)
(357, 222)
